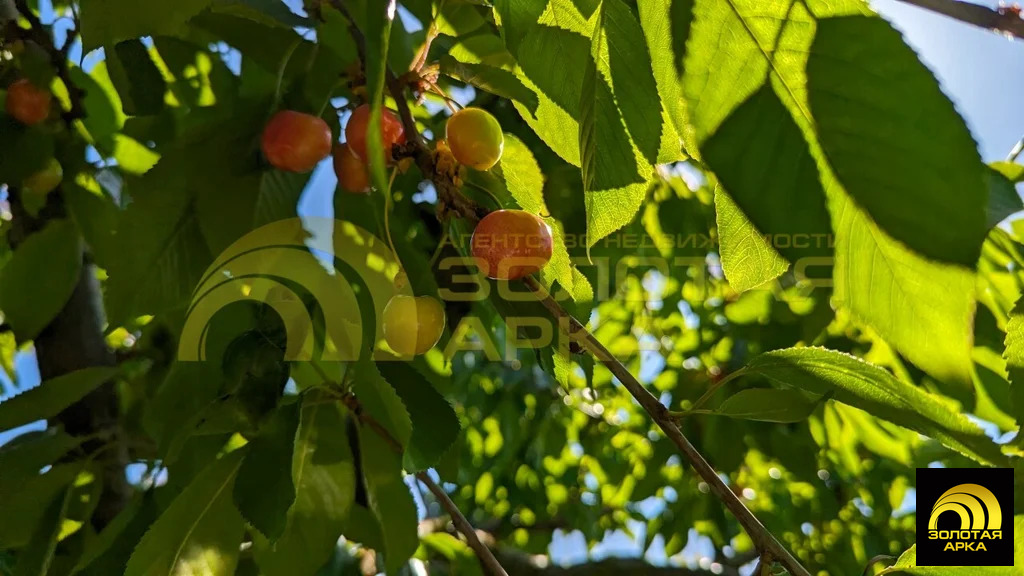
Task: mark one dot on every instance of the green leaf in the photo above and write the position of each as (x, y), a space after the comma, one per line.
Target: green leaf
(763, 162)
(24, 508)
(748, 260)
(666, 26)
(96, 218)
(923, 308)
(1003, 199)
(1014, 355)
(180, 402)
(895, 141)
(323, 472)
(263, 11)
(870, 388)
(552, 63)
(768, 405)
(378, 34)
(37, 557)
(630, 73)
(389, 498)
(907, 563)
(379, 400)
(138, 81)
(895, 291)
(169, 253)
(23, 150)
(52, 396)
(264, 490)
(102, 102)
(200, 531)
(524, 182)
(1014, 172)
(279, 196)
(38, 281)
(435, 426)
(491, 79)
(22, 460)
(101, 27)
(613, 187)
(112, 548)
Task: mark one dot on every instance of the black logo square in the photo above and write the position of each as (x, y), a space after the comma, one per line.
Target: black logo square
(965, 517)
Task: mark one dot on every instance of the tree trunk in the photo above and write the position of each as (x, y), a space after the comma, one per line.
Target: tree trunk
(73, 341)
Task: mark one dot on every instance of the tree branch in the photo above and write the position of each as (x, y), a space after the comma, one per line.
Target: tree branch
(450, 194)
(1003, 20)
(483, 553)
(764, 541)
(462, 525)
(41, 35)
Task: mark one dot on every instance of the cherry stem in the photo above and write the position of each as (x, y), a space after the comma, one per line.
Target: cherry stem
(330, 95)
(452, 104)
(387, 213)
(281, 70)
(715, 387)
(421, 56)
(487, 192)
(437, 251)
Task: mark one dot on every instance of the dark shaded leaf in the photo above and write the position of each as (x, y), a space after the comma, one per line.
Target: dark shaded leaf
(264, 490)
(38, 281)
(52, 396)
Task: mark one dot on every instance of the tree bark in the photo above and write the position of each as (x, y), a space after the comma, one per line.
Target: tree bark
(72, 341)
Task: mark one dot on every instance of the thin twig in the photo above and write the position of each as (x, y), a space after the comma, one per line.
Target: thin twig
(1001, 20)
(483, 553)
(764, 541)
(41, 35)
(1016, 151)
(449, 193)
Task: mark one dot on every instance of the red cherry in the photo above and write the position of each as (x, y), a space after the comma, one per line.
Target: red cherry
(28, 103)
(351, 172)
(296, 142)
(391, 131)
(510, 244)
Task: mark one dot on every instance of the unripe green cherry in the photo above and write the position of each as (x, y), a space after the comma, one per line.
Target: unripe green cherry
(412, 325)
(475, 138)
(44, 181)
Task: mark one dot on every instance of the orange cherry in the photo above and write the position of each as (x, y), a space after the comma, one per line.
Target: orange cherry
(510, 244)
(391, 131)
(28, 103)
(352, 173)
(296, 142)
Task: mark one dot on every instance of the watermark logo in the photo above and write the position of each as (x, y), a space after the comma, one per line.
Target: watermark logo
(333, 267)
(330, 280)
(966, 525)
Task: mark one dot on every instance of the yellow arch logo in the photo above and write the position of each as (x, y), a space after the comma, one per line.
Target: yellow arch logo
(320, 255)
(976, 506)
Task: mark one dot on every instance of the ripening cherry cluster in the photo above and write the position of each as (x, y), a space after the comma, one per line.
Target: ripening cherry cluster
(507, 244)
(30, 105)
